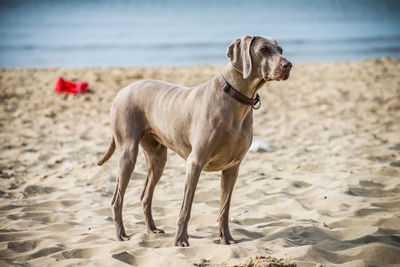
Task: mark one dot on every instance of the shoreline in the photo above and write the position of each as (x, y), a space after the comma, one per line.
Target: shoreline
(189, 65)
(326, 193)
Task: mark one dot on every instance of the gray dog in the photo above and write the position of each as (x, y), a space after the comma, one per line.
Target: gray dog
(209, 125)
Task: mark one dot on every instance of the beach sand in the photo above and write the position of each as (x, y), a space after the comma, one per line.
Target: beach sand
(326, 193)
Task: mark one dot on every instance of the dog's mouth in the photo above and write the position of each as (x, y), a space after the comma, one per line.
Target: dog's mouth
(282, 75)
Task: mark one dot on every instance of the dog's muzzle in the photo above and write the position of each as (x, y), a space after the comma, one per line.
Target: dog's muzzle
(284, 69)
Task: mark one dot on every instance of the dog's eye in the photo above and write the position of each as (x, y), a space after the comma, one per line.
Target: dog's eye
(264, 49)
(279, 49)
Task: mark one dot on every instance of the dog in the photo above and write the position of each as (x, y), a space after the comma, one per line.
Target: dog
(209, 125)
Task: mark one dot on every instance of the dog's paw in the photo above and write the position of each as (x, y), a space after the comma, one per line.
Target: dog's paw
(122, 236)
(228, 241)
(155, 231)
(181, 242)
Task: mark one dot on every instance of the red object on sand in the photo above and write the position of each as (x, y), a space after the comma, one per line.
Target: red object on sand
(68, 87)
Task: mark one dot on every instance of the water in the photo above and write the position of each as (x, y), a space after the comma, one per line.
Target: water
(73, 33)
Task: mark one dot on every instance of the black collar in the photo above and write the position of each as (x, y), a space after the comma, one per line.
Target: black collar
(238, 95)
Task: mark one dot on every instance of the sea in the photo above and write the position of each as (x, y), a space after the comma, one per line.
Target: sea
(85, 33)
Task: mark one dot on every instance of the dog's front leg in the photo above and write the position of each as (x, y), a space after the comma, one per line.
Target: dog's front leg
(193, 170)
(228, 180)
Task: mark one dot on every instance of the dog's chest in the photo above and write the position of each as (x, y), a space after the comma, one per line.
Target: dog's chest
(228, 149)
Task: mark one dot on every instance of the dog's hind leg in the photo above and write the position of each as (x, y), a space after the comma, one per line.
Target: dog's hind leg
(127, 160)
(156, 156)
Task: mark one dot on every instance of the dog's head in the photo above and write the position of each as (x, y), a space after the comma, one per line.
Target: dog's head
(259, 56)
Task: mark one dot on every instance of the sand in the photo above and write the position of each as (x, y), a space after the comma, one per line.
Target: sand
(327, 192)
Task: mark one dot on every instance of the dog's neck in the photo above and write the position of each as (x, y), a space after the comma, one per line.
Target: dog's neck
(247, 87)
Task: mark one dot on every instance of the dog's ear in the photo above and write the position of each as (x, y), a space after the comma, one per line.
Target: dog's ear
(239, 55)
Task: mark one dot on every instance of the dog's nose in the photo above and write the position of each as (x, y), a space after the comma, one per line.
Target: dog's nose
(286, 65)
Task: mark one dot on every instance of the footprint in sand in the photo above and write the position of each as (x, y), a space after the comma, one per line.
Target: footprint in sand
(395, 163)
(32, 190)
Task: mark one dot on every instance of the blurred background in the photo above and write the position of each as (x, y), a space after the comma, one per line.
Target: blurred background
(73, 33)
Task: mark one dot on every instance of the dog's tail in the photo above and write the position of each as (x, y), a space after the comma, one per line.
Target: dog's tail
(109, 152)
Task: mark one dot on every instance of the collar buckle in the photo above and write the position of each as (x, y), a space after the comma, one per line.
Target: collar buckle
(258, 101)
